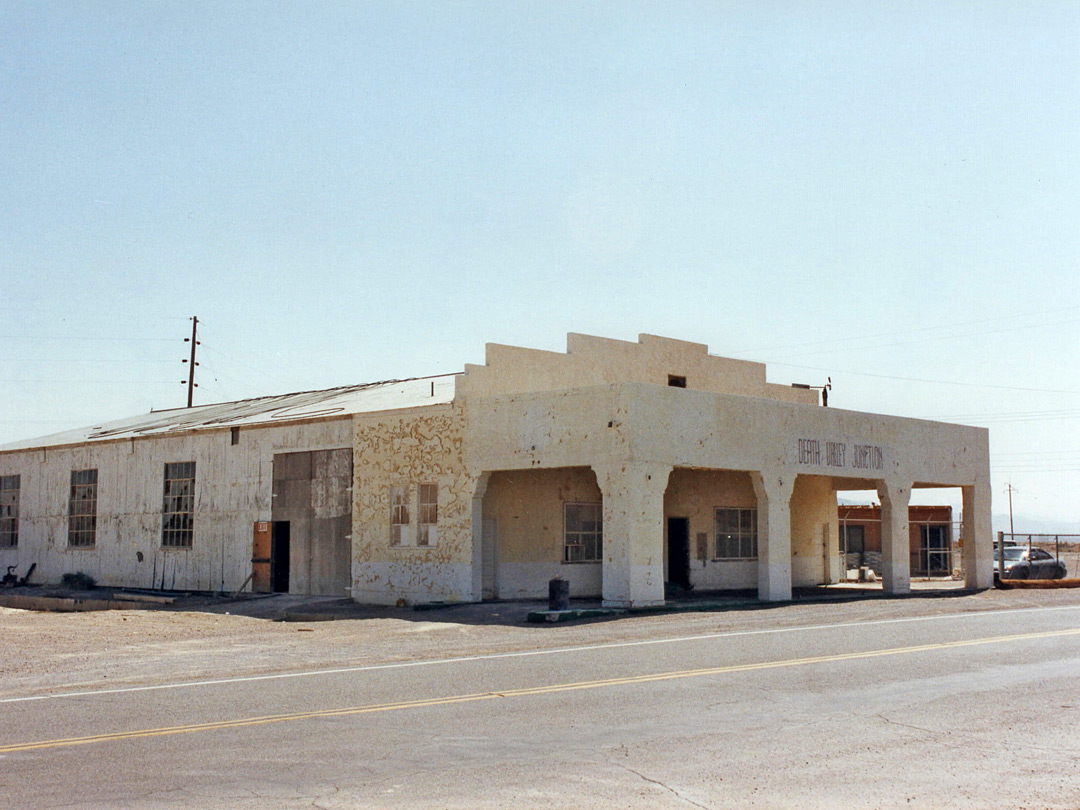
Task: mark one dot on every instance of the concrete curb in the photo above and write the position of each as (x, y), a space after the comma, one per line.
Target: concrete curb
(553, 616)
(65, 604)
(708, 606)
(1007, 584)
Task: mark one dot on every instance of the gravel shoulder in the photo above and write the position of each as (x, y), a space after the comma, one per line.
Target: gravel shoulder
(200, 638)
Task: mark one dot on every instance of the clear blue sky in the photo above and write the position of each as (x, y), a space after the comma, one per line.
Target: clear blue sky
(887, 193)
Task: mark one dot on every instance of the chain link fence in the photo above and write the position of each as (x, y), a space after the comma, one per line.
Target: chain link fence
(1064, 547)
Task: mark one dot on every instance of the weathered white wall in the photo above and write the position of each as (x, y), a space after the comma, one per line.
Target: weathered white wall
(696, 494)
(593, 360)
(823, 449)
(408, 449)
(527, 506)
(232, 491)
(312, 491)
(604, 407)
(814, 531)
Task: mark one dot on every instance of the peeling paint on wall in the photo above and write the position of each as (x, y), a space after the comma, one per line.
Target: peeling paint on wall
(407, 450)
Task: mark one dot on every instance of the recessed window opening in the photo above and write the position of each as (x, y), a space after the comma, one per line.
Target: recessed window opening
(9, 511)
(429, 514)
(399, 513)
(676, 381)
(178, 508)
(583, 532)
(82, 509)
(736, 534)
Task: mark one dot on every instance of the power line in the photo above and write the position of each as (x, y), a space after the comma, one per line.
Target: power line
(1014, 416)
(93, 381)
(82, 339)
(263, 375)
(863, 341)
(1032, 471)
(36, 421)
(1040, 453)
(929, 382)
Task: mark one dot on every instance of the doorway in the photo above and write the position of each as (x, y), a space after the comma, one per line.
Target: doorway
(312, 493)
(279, 557)
(260, 557)
(934, 551)
(678, 552)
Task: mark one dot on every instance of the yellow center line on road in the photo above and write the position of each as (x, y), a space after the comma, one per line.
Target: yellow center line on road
(526, 691)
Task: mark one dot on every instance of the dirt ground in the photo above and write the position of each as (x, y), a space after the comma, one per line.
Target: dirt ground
(200, 638)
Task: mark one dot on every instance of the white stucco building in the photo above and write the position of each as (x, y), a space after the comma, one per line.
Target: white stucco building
(618, 466)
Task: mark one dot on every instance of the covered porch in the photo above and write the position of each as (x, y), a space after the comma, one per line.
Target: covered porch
(631, 533)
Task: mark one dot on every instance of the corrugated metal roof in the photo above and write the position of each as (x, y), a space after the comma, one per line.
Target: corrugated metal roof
(330, 403)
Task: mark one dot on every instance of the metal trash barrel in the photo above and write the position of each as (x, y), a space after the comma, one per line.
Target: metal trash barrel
(558, 594)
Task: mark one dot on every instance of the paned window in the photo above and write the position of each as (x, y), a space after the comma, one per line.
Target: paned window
(429, 514)
(583, 532)
(9, 511)
(399, 513)
(82, 509)
(178, 509)
(736, 534)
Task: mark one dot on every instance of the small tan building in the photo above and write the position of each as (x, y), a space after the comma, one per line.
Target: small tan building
(931, 539)
(618, 466)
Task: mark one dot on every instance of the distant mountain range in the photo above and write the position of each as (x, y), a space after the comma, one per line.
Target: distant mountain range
(1023, 523)
(1027, 525)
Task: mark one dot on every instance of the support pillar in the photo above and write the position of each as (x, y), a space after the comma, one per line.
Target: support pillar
(633, 561)
(833, 564)
(480, 485)
(773, 491)
(977, 537)
(895, 536)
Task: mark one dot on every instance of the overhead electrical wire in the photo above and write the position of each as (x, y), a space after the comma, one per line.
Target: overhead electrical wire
(931, 382)
(869, 341)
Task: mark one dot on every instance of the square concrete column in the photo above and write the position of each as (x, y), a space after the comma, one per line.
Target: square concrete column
(895, 536)
(479, 487)
(773, 491)
(834, 563)
(633, 574)
(977, 537)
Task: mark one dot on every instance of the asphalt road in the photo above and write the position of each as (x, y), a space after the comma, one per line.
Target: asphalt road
(917, 711)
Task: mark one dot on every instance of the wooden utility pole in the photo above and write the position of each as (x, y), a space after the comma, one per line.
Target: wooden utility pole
(1001, 539)
(1011, 490)
(191, 385)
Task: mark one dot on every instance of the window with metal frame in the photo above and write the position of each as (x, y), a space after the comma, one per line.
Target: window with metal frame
(82, 509)
(9, 511)
(736, 534)
(178, 509)
(429, 514)
(583, 532)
